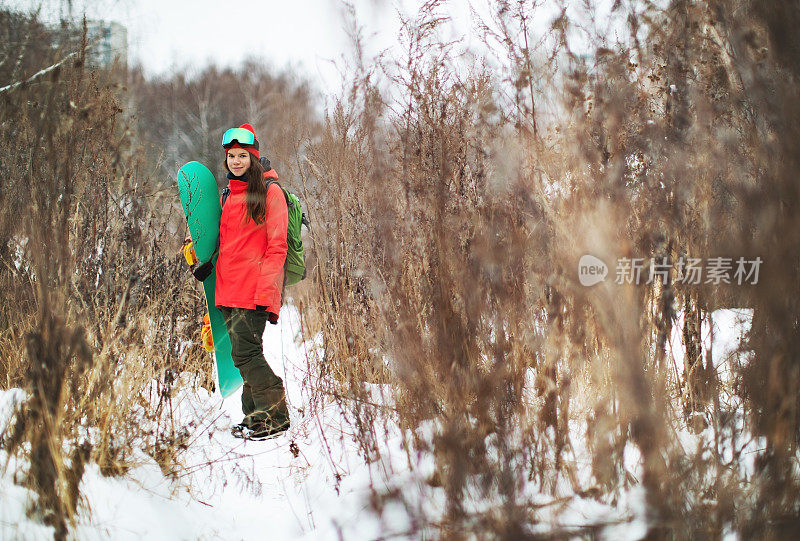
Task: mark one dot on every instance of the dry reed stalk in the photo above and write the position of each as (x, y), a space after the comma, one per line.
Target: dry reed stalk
(481, 199)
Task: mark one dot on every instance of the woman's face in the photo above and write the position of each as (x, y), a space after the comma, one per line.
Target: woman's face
(238, 161)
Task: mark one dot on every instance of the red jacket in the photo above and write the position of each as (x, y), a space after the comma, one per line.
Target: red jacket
(251, 255)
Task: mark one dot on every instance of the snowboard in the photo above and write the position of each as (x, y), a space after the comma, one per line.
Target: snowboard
(201, 205)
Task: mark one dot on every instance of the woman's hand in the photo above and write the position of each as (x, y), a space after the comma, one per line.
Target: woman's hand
(200, 272)
(188, 252)
(272, 317)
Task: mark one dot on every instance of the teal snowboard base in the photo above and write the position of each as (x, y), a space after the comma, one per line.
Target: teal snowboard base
(201, 205)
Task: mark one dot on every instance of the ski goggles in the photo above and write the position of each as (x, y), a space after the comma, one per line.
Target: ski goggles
(239, 135)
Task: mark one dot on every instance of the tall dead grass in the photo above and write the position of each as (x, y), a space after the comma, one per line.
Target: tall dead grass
(96, 321)
(451, 223)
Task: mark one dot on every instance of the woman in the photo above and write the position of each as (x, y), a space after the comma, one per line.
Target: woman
(252, 251)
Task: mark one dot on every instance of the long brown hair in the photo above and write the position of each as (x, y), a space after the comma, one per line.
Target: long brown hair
(256, 189)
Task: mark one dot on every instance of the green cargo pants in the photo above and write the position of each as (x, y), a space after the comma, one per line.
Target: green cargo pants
(263, 397)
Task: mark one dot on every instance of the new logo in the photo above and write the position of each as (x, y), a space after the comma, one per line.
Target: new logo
(591, 270)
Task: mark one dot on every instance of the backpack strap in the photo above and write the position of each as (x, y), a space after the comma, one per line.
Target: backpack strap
(289, 202)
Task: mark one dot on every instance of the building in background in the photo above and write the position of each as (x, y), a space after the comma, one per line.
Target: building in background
(108, 43)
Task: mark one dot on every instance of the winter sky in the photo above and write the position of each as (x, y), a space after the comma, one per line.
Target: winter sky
(306, 35)
(311, 37)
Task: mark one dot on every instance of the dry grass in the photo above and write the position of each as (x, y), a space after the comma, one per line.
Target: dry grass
(96, 317)
(451, 221)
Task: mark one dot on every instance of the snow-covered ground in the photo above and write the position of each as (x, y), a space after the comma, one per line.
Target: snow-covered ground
(311, 483)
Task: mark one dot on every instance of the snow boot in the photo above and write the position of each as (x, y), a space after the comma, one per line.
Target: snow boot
(265, 431)
(238, 430)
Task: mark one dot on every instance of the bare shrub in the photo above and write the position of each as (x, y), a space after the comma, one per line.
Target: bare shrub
(96, 317)
(456, 207)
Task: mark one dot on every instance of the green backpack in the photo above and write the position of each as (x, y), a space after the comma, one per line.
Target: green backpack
(295, 265)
